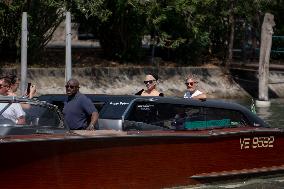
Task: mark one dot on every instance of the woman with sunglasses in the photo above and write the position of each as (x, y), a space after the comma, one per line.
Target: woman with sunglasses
(151, 83)
(192, 91)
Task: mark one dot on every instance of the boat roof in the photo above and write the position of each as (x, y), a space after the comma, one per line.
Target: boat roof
(114, 106)
(218, 103)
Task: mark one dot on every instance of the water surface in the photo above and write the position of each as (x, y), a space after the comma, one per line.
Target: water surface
(273, 115)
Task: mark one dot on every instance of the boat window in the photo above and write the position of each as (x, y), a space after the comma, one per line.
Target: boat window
(114, 109)
(184, 117)
(59, 104)
(35, 115)
(226, 117)
(164, 115)
(144, 112)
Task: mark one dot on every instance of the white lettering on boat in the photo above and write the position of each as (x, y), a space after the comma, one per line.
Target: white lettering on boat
(118, 103)
(257, 142)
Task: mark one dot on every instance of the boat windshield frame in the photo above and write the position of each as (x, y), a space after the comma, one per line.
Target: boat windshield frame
(37, 114)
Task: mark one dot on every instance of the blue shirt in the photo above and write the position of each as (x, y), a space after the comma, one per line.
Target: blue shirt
(77, 111)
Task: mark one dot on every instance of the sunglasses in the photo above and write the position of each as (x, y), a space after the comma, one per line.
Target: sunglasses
(189, 83)
(1, 86)
(70, 86)
(150, 81)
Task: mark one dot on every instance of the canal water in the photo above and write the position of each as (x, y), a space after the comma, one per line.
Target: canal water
(274, 116)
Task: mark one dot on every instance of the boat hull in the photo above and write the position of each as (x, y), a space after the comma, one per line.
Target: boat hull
(144, 160)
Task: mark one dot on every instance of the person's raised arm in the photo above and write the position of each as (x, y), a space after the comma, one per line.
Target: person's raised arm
(202, 96)
(32, 92)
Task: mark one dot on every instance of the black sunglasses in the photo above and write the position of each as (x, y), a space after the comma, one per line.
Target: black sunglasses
(189, 83)
(150, 81)
(70, 86)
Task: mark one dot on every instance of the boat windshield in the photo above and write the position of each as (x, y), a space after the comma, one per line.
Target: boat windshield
(28, 114)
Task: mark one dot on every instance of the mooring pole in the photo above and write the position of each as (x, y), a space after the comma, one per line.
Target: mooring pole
(265, 49)
(24, 47)
(68, 68)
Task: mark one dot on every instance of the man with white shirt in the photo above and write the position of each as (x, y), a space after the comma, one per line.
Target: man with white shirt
(192, 91)
(14, 111)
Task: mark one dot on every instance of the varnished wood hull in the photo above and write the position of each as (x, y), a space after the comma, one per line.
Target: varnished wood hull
(133, 161)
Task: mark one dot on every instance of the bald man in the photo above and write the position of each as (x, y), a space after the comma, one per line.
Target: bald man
(78, 109)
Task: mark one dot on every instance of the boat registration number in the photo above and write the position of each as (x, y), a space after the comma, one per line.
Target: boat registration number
(257, 142)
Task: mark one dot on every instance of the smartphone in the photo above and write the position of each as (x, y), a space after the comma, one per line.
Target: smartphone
(29, 88)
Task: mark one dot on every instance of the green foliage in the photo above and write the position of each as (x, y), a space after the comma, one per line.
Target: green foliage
(91, 8)
(276, 7)
(10, 25)
(190, 29)
(118, 24)
(43, 18)
(189, 21)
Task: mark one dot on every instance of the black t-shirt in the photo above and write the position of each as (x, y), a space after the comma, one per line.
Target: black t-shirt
(141, 91)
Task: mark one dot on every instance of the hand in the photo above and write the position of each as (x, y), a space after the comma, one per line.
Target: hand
(32, 91)
(91, 127)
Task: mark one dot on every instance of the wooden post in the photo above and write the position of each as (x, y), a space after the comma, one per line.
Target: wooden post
(265, 48)
(68, 68)
(232, 34)
(24, 46)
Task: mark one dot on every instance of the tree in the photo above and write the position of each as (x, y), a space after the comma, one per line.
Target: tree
(119, 26)
(10, 27)
(43, 18)
(172, 24)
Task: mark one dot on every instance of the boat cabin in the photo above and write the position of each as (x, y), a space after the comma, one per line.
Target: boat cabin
(124, 113)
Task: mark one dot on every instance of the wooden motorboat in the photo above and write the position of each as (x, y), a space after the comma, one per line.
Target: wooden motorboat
(142, 142)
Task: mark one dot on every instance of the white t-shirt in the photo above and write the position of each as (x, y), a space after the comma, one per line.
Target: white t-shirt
(13, 112)
(189, 95)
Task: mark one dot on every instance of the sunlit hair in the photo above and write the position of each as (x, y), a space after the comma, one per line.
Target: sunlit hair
(190, 76)
(6, 80)
(154, 76)
(13, 78)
